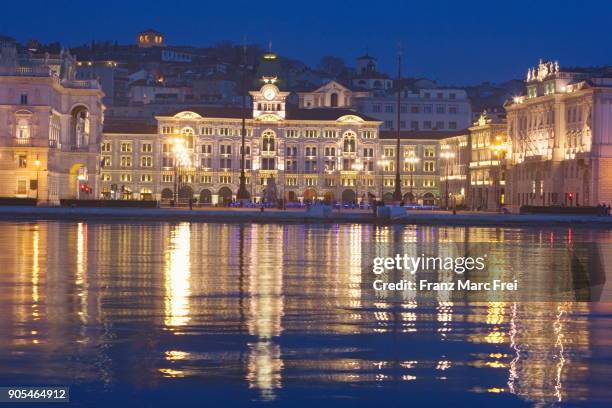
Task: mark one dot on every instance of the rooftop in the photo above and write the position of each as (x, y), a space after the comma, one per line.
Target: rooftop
(421, 134)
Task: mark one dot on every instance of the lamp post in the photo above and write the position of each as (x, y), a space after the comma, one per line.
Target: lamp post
(242, 193)
(37, 164)
(412, 161)
(382, 163)
(498, 148)
(397, 192)
(356, 168)
(447, 156)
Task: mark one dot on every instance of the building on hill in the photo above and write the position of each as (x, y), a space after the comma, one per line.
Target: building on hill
(51, 127)
(368, 77)
(150, 38)
(561, 138)
(331, 95)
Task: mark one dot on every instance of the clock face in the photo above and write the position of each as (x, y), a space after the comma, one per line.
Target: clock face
(269, 93)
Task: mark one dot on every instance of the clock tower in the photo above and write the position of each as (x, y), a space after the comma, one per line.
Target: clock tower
(269, 102)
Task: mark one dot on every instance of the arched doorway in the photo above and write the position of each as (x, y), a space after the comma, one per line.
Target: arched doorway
(310, 194)
(205, 196)
(79, 127)
(291, 196)
(225, 195)
(328, 197)
(185, 194)
(408, 198)
(388, 197)
(77, 179)
(348, 196)
(167, 195)
(429, 199)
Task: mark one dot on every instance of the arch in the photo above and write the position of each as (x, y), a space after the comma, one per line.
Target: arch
(77, 177)
(23, 129)
(291, 196)
(333, 100)
(167, 195)
(429, 199)
(328, 197)
(349, 196)
(310, 194)
(79, 126)
(205, 196)
(408, 198)
(185, 194)
(268, 140)
(348, 141)
(387, 197)
(225, 195)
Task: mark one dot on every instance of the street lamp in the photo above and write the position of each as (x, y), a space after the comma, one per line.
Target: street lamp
(411, 161)
(447, 156)
(382, 163)
(499, 151)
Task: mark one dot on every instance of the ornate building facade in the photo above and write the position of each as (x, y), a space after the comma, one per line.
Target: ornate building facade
(561, 138)
(195, 153)
(487, 163)
(50, 127)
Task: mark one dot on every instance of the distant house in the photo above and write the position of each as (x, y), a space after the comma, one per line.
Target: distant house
(331, 95)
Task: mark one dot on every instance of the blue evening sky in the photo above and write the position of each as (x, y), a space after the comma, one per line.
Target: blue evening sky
(455, 42)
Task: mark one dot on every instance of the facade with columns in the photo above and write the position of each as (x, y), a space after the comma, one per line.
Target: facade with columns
(50, 127)
(561, 138)
(308, 153)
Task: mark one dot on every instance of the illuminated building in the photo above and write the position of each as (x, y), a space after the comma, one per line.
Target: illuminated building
(561, 149)
(51, 125)
(454, 159)
(489, 145)
(150, 38)
(310, 153)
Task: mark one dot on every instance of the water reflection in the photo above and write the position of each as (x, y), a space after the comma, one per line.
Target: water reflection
(269, 309)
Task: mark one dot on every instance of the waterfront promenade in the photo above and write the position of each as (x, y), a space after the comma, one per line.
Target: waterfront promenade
(211, 214)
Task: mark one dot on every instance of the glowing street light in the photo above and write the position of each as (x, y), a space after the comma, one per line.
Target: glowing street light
(382, 163)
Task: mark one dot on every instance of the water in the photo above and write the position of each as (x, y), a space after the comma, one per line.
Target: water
(162, 314)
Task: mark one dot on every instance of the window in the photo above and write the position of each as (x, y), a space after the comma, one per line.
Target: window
(146, 161)
(427, 108)
(207, 131)
(429, 152)
(291, 165)
(311, 151)
(440, 95)
(146, 178)
(414, 109)
(452, 95)
(452, 110)
(126, 161)
(167, 178)
(22, 187)
(330, 152)
(440, 109)
(106, 147)
(206, 179)
(427, 124)
(376, 108)
(429, 166)
(452, 125)
(146, 147)
(292, 133)
(126, 147)
(22, 161)
(349, 142)
(330, 133)
(126, 177)
(225, 163)
(268, 163)
(206, 162)
(414, 125)
(292, 151)
(388, 108)
(24, 99)
(389, 124)
(403, 124)
(429, 183)
(439, 125)
(311, 133)
(225, 179)
(291, 181)
(105, 177)
(225, 149)
(368, 152)
(23, 129)
(389, 152)
(206, 149)
(106, 161)
(268, 141)
(367, 134)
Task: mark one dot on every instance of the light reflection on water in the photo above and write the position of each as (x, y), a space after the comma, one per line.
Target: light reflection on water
(270, 313)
